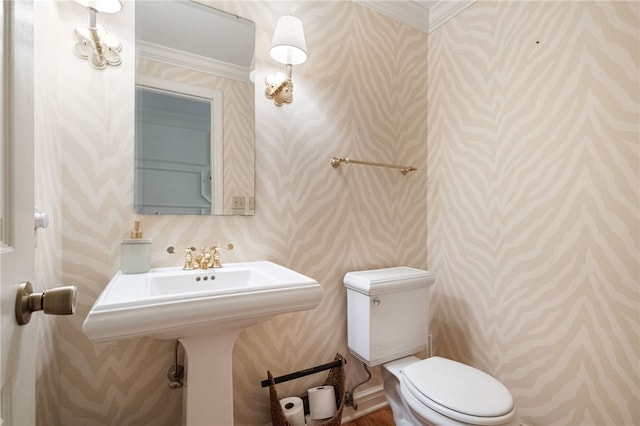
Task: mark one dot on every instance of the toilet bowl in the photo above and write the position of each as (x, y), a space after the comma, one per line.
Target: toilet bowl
(387, 322)
(440, 392)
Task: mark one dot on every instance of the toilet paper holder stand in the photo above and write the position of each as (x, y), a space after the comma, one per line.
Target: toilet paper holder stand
(306, 372)
(350, 400)
(335, 379)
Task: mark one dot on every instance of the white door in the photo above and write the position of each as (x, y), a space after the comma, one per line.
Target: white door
(18, 343)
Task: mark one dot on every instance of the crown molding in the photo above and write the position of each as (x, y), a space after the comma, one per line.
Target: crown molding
(424, 15)
(444, 10)
(409, 12)
(190, 61)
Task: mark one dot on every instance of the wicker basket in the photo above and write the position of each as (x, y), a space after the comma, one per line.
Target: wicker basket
(335, 378)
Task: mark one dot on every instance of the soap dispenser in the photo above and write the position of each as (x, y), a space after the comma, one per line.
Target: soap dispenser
(135, 255)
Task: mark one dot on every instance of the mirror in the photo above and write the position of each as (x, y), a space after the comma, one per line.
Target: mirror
(195, 125)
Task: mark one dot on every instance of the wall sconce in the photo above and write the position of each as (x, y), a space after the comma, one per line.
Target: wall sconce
(93, 42)
(289, 48)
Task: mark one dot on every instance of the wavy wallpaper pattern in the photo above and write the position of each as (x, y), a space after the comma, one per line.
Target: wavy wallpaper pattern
(534, 217)
(366, 99)
(530, 173)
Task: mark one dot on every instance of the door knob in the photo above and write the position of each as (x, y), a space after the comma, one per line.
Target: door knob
(41, 219)
(56, 301)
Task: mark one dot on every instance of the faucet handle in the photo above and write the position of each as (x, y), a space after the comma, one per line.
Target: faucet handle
(188, 257)
(215, 255)
(228, 247)
(172, 249)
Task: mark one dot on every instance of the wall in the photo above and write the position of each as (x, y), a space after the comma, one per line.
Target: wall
(362, 93)
(533, 214)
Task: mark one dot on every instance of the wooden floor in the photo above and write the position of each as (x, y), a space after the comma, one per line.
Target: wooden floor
(382, 417)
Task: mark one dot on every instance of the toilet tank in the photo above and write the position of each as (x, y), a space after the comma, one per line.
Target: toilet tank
(387, 312)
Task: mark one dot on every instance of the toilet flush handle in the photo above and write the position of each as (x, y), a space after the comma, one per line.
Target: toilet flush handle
(376, 301)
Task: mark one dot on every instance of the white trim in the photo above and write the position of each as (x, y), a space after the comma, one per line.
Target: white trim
(190, 61)
(404, 11)
(217, 154)
(369, 400)
(425, 17)
(445, 10)
(177, 87)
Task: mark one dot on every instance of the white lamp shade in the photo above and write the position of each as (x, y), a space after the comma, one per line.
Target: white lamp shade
(102, 6)
(289, 45)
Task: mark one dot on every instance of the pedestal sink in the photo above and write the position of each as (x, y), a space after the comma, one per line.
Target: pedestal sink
(205, 310)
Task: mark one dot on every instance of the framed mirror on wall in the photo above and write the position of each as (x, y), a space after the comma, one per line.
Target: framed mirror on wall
(195, 116)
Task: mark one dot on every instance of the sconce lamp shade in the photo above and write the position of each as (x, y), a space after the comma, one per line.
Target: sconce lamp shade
(288, 45)
(102, 6)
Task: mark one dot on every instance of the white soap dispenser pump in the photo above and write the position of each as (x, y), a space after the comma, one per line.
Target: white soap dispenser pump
(135, 255)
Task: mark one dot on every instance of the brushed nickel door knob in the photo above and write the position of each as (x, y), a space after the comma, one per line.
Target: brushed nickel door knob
(56, 301)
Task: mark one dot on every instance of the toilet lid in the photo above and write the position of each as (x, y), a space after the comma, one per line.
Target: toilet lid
(457, 387)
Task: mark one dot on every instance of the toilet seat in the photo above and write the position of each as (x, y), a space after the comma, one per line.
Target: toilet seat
(458, 391)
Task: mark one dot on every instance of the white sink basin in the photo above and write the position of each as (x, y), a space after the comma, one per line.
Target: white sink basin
(170, 303)
(220, 281)
(205, 310)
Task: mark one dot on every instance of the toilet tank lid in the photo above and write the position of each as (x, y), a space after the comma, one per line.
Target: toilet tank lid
(388, 280)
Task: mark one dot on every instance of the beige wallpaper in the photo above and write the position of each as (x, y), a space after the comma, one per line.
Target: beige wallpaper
(533, 203)
(362, 93)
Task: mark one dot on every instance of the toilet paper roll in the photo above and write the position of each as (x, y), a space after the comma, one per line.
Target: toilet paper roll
(314, 422)
(293, 410)
(322, 402)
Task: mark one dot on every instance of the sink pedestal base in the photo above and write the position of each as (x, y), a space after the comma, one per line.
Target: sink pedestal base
(206, 316)
(209, 379)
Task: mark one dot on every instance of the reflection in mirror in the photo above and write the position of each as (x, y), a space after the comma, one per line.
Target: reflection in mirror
(178, 149)
(194, 131)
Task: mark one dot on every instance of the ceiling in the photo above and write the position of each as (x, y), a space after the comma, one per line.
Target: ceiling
(425, 15)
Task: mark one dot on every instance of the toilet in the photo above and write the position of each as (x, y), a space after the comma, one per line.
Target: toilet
(387, 322)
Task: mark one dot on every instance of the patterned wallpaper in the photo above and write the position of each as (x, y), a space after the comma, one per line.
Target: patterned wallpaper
(362, 93)
(533, 193)
(533, 211)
